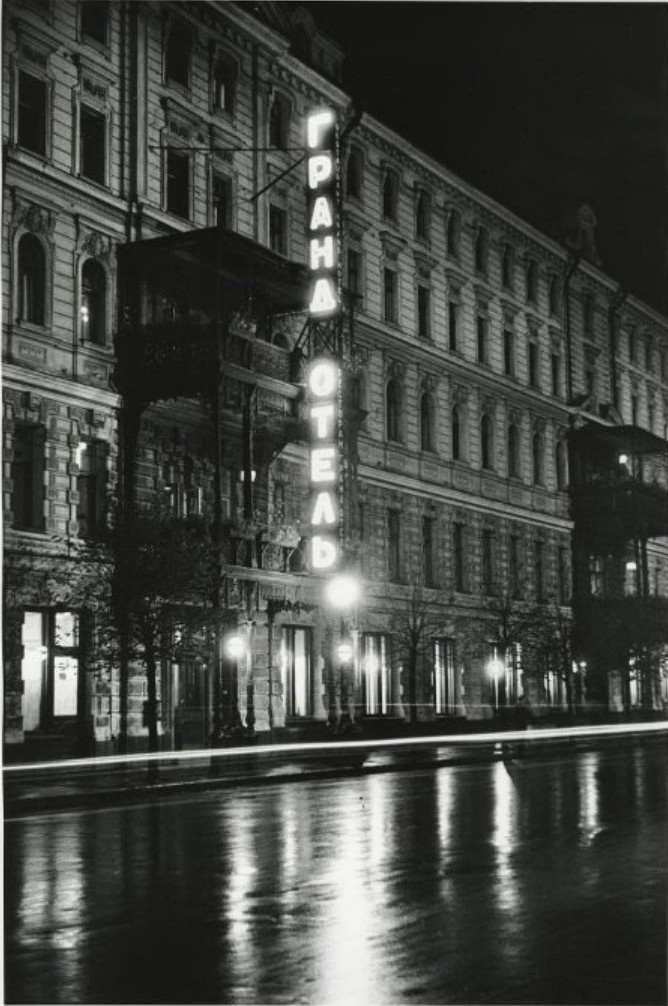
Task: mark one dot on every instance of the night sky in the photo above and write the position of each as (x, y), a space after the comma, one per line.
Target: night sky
(541, 106)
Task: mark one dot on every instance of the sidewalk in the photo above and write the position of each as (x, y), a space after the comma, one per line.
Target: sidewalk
(32, 789)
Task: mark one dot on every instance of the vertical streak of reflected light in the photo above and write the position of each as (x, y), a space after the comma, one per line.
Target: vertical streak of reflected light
(589, 817)
(504, 838)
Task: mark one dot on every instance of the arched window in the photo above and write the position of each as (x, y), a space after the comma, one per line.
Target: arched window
(561, 465)
(393, 410)
(554, 297)
(481, 250)
(457, 446)
(537, 458)
(513, 452)
(486, 441)
(279, 121)
(452, 233)
(422, 216)
(532, 282)
(32, 280)
(427, 439)
(354, 174)
(507, 267)
(390, 191)
(93, 303)
(588, 315)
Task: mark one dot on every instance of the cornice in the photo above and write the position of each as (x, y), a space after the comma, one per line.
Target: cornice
(46, 384)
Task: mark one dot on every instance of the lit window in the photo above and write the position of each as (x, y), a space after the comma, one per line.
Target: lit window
(443, 656)
(375, 671)
(49, 668)
(32, 113)
(93, 128)
(31, 280)
(296, 669)
(93, 303)
(224, 85)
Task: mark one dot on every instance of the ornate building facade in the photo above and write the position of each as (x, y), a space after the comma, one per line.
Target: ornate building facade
(504, 399)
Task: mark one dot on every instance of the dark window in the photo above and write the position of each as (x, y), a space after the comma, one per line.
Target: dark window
(32, 113)
(94, 19)
(663, 365)
(588, 315)
(532, 282)
(424, 311)
(178, 183)
(422, 215)
(93, 144)
(278, 230)
(452, 234)
(590, 381)
(533, 364)
(648, 354)
(28, 477)
(513, 452)
(562, 573)
(514, 566)
(507, 267)
(486, 442)
(554, 297)
(481, 251)
(428, 550)
(458, 557)
(426, 422)
(509, 352)
(456, 435)
(279, 120)
(560, 459)
(390, 295)
(538, 571)
(222, 200)
(596, 576)
(634, 410)
(392, 410)
(92, 489)
(224, 85)
(537, 458)
(32, 280)
(482, 339)
(177, 55)
(453, 310)
(487, 562)
(651, 415)
(632, 345)
(390, 196)
(556, 374)
(354, 174)
(93, 303)
(393, 546)
(355, 274)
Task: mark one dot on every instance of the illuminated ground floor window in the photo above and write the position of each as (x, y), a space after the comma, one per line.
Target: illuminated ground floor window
(296, 669)
(505, 672)
(375, 671)
(49, 668)
(443, 658)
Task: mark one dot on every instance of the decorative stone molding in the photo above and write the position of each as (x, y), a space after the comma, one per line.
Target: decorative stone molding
(460, 394)
(487, 405)
(392, 244)
(32, 217)
(395, 370)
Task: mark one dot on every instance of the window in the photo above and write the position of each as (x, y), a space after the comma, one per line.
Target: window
(393, 546)
(561, 465)
(486, 449)
(562, 574)
(554, 297)
(507, 267)
(296, 669)
(178, 183)
(94, 20)
(375, 670)
(515, 581)
(28, 460)
(92, 488)
(481, 251)
(537, 458)
(424, 311)
(632, 345)
(32, 113)
(555, 364)
(538, 571)
(32, 280)
(634, 410)
(533, 364)
(532, 282)
(651, 414)
(279, 123)
(393, 410)
(487, 562)
(93, 126)
(590, 383)
(443, 657)
(631, 578)
(513, 452)
(481, 328)
(452, 234)
(663, 365)
(508, 352)
(596, 576)
(177, 53)
(221, 194)
(588, 316)
(354, 171)
(390, 193)
(422, 216)
(648, 353)
(278, 230)
(427, 439)
(389, 295)
(49, 668)
(428, 551)
(456, 435)
(93, 303)
(458, 543)
(354, 266)
(185, 497)
(224, 85)
(453, 310)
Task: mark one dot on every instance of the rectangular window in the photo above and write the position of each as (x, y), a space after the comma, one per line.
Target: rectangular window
(482, 339)
(514, 567)
(538, 571)
(487, 562)
(562, 573)
(375, 670)
(428, 550)
(631, 578)
(224, 85)
(177, 55)
(453, 310)
(634, 410)
(458, 542)
(443, 657)
(296, 669)
(590, 381)
(556, 375)
(32, 118)
(355, 275)
(533, 364)
(92, 488)
(94, 19)
(93, 126)
(389, 295)
(509, 352)
(222, 201)
(28, 477)
(648, 354)
(596, 576)
(278, 230)
(424, 311)
(49, 667)
(393, 546)
(178, 183)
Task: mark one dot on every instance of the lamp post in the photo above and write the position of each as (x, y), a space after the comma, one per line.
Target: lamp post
(235, 648)
(495, 668)
(342, 593)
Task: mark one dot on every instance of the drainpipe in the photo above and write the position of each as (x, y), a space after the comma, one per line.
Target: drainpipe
(615, 305)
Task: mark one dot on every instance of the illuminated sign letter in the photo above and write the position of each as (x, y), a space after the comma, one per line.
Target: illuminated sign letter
(323, 510)
(323, 553)
(321, 215)
(323, 379)
(324, 297)
(323, 464)
(322, 253)
(324, 420)
(315, 123)
(319, 170)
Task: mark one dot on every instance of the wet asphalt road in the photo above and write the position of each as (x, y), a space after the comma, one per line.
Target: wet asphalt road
(539, 881)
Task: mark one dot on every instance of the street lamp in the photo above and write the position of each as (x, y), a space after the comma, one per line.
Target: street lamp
(495, 668)
(235, 647)
(343, 591)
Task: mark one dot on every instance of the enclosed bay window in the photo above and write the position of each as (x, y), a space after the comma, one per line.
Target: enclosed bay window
(296, 669)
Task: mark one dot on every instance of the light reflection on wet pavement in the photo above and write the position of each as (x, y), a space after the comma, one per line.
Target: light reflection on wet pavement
(537, 881)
